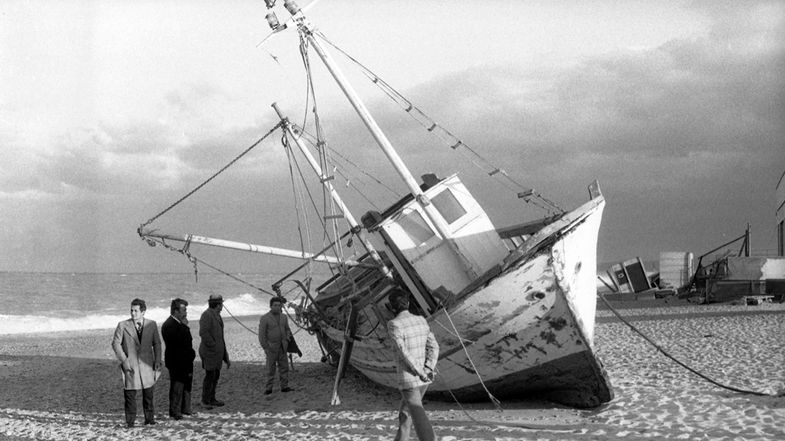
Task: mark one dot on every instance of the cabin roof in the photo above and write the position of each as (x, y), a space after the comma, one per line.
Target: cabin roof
(373, 218)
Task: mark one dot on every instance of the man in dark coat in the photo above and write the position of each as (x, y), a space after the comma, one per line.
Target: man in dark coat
(212, 349)
(179, 358)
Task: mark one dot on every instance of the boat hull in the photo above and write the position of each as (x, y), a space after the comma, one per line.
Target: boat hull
(526, 333)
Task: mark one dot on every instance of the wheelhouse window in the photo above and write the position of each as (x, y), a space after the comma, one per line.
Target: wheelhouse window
(416, 228)
(448, 206)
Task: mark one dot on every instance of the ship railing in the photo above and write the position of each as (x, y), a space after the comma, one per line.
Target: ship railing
(516, 235)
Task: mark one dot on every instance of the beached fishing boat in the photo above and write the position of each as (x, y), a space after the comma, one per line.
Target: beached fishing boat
(513, 308)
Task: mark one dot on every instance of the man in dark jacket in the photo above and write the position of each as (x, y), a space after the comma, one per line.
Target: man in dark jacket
(274, 335)
(179, 358)
(212, 349)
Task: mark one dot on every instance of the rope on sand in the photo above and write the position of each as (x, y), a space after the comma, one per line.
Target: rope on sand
(694, 371)
(494, 424)
(494, 400)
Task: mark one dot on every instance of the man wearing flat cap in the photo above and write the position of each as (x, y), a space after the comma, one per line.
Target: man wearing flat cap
(212, 349)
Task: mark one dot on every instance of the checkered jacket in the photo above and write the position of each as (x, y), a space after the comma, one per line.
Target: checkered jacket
(415, 346)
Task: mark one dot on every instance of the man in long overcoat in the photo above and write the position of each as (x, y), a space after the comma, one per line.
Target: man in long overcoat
(179, 358)
(274, 335)
(137, 345)
(212, 349)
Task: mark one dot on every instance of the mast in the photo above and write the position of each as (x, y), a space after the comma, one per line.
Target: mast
(430, 211)
(356, 228)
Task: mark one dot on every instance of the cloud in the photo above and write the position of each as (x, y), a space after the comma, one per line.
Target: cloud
(664, 127)
(694, 122)
(196, 129)
(686, 96)
(690, 112)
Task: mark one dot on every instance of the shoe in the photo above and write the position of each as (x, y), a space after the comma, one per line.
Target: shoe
(217, 403)
(268, 391)
(187, 413)
(287, 389)
(176, 417)
(129, 425)
(150, 423)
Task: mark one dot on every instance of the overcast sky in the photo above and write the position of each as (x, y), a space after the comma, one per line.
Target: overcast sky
(112, 110)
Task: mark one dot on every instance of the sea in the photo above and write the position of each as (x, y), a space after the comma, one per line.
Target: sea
(50, 302)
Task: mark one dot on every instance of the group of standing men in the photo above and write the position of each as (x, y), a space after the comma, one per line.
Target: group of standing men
(138, 347)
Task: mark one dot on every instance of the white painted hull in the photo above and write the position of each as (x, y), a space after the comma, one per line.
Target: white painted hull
(527, 332)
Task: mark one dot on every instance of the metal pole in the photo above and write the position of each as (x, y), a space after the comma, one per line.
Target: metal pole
(250, 247)
(333, 193)
(381, 139)
(747, 241)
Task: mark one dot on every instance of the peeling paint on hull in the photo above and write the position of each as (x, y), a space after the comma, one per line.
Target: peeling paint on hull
(528, 332)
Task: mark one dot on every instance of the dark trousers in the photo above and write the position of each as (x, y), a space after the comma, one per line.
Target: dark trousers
(209, 384)
(147, 405)
(180, 393)
(277, 360)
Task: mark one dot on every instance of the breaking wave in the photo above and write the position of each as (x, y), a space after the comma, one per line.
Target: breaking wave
(242, 305)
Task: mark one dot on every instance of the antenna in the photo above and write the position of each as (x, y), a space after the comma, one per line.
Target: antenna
(272, 19)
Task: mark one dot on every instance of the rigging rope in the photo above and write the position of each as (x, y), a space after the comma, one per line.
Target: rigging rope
(238, 321)
(184, 251)
(449, 331)
(299, 328)
(307, 64)
(345, 174)
(237, 158)
(303, 183)
(328, 204)
(567, 428)
(495, 401)
(685, 366)
(296, 192)
(528, 194)
(186, 248)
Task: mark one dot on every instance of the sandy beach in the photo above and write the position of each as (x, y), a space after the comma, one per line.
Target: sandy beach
(67, 386)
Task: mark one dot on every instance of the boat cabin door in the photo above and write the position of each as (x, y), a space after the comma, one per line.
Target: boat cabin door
(431, 267)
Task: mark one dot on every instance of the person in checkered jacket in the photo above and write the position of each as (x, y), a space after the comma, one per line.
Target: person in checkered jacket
(417, 352)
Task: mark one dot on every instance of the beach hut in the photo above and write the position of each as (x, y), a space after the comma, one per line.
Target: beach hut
(630, 276)
(676, 269)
